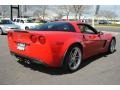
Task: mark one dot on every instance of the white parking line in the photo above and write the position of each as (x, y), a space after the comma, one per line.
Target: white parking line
(113, 33)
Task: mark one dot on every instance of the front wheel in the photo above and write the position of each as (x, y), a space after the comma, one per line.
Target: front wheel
(73, 59)
(112, 46)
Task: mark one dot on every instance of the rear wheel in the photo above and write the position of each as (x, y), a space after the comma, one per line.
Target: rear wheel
(73, 59)
(112, 46)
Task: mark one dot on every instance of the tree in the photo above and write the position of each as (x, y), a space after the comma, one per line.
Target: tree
(66, 10)
(59, 11)
(0, 10)
(78, 10)
(41, 11)
(36, 13)
(4, 10)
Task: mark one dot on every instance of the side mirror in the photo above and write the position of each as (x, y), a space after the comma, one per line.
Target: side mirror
(100, 33)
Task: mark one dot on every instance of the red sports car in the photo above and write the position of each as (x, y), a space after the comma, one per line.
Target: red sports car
(61, 43)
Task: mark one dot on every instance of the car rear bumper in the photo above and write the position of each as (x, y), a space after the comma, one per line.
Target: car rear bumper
(51, 62)
(28, 58)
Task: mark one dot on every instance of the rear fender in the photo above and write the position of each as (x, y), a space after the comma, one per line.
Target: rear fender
(66, 46)
(109, 37)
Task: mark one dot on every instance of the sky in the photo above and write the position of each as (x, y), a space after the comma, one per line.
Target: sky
(113, 8)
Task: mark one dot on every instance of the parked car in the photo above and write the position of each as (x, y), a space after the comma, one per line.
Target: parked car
(117, 22)
(24, 23)
(104, 22)
(6, 25)
(62, 43)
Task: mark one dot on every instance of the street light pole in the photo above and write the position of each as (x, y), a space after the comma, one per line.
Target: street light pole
(17, 8)
(96, 10)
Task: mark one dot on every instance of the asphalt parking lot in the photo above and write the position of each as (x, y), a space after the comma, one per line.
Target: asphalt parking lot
(102, 69)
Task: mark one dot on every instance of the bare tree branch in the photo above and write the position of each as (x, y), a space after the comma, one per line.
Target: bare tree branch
(78, 10)
(42, 11)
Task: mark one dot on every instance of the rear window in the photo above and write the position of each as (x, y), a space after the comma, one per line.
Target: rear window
(30, 21)
(18, 20)
(54, 26)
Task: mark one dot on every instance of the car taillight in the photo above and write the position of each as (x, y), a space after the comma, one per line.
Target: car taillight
(10, 34)
(33, 38)
(42, 39)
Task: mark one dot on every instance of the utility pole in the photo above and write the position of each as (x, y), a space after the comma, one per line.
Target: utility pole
(25, 9)
(18, 10)
(96, 10)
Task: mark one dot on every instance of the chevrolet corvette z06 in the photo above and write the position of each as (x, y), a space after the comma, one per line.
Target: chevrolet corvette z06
(60, 43)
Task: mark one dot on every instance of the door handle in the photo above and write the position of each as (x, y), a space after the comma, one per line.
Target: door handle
(84, 37)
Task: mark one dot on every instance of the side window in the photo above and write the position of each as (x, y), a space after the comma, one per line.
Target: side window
(18, 20)
(84, 28)
(89, 30)
(21, 21)
(14, 20)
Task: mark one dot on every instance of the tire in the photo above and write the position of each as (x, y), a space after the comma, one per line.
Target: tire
(72, 59)
(26, 28)
(112, 45)
(1, 32)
